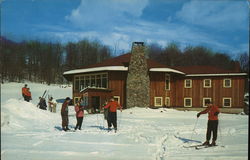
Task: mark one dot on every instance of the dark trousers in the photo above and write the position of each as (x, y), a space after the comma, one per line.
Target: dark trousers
(112, 119)
(212, 126)
(79, 122)
(65, 121)
(26, 98)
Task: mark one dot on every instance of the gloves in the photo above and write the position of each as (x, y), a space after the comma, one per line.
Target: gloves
(198, 115)
(216, 113)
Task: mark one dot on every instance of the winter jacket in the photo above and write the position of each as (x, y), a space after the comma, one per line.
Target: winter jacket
(64, 109)
(79, 110)
(24, 91)
(113, 105)
(212, 111)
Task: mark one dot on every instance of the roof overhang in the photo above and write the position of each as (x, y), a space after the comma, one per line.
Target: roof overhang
(96, 69)
(165, 70)
(218, 74)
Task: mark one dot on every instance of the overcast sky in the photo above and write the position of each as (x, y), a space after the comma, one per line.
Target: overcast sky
(221, 25)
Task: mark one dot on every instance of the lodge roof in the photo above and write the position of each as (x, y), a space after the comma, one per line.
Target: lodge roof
(123, 60)
(120, 63)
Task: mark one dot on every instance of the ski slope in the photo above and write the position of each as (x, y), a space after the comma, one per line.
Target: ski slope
(28, 133)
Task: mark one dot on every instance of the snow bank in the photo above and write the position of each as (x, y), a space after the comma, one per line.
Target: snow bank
(19, 114)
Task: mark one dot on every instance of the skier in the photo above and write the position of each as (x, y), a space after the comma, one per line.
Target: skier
(212, 125)
(26, 93)
(64, 114)
(42, 103)
(105, 111)
(52, 105)
(112, 115)
(79, 114)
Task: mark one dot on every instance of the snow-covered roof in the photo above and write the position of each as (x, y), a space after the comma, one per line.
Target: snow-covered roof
(96, 69)
(165, 70)
(219, 74)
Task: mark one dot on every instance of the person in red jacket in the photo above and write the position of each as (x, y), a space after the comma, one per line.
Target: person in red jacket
(26, 93)
(79, 114)
(64, 114)
(112, 115)
(212, 125)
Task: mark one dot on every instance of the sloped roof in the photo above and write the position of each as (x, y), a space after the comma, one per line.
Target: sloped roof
(123, 60)
(121, 63)
(203, 70)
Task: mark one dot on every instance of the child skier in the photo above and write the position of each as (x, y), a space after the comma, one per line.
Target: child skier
(212, 125)
(79, 114)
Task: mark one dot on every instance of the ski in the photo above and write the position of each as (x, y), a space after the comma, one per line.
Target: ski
(206, 146)
(193, 146)
(44, 93)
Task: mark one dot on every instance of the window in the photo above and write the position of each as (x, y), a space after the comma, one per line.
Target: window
(167, 102)
(82, 82)
(117, 98)
(227, 83)
(77, 83)
(158, 101)
(207, 83)
(188, 83)
(187, 102)
(167, 82)
(104, 81)
(227, 102)
(91, 80)
(206, 99)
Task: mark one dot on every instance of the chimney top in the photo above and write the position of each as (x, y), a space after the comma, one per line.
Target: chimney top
(138, 43)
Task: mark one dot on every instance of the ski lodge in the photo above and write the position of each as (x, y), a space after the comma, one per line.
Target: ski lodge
(135, 81)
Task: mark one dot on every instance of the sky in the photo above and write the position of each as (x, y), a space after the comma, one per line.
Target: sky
(221, 25)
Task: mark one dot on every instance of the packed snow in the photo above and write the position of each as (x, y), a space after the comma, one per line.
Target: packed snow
(29, 133)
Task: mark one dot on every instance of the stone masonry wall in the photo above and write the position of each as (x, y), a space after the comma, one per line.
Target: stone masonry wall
(138, 78)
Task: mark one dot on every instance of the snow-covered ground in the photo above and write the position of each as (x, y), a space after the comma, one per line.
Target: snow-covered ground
(28, 133)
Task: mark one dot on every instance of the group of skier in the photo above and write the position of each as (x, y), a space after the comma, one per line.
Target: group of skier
(110, 114)
(42, 101)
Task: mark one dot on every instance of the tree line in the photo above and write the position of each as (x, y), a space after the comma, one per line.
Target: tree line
(41, 62)
(173, 56)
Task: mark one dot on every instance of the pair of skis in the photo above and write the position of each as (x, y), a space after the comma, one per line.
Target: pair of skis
(200, 146)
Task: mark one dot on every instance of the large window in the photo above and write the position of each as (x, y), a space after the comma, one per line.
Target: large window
(188, 83)
(158, 101)
(167, 82)
(227, 102)
(207, 83)
(187, 102)
(91, 80)
(227, 83)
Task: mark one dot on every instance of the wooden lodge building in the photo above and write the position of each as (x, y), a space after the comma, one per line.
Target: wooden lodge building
(136, 81)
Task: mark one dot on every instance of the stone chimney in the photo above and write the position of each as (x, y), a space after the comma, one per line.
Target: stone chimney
(138, 78)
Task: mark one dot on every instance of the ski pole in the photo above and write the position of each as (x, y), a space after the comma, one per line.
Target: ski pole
(194, 128)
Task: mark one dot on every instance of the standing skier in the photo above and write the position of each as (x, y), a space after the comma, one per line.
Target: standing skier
(112, 115)
(79, 114)
(64, 114)
(52, 105)
(212, 125)
(26, 93)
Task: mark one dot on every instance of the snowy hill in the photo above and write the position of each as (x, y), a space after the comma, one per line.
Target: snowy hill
(28, 133)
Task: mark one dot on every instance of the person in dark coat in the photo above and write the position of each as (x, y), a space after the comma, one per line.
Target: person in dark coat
(212, 124)
(42, 103)
(64, 114)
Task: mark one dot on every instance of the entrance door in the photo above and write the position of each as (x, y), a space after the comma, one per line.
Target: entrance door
(96, 104)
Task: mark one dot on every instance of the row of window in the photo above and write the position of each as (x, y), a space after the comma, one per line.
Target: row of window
(207, 83)
(158, 101)
(91, 80)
